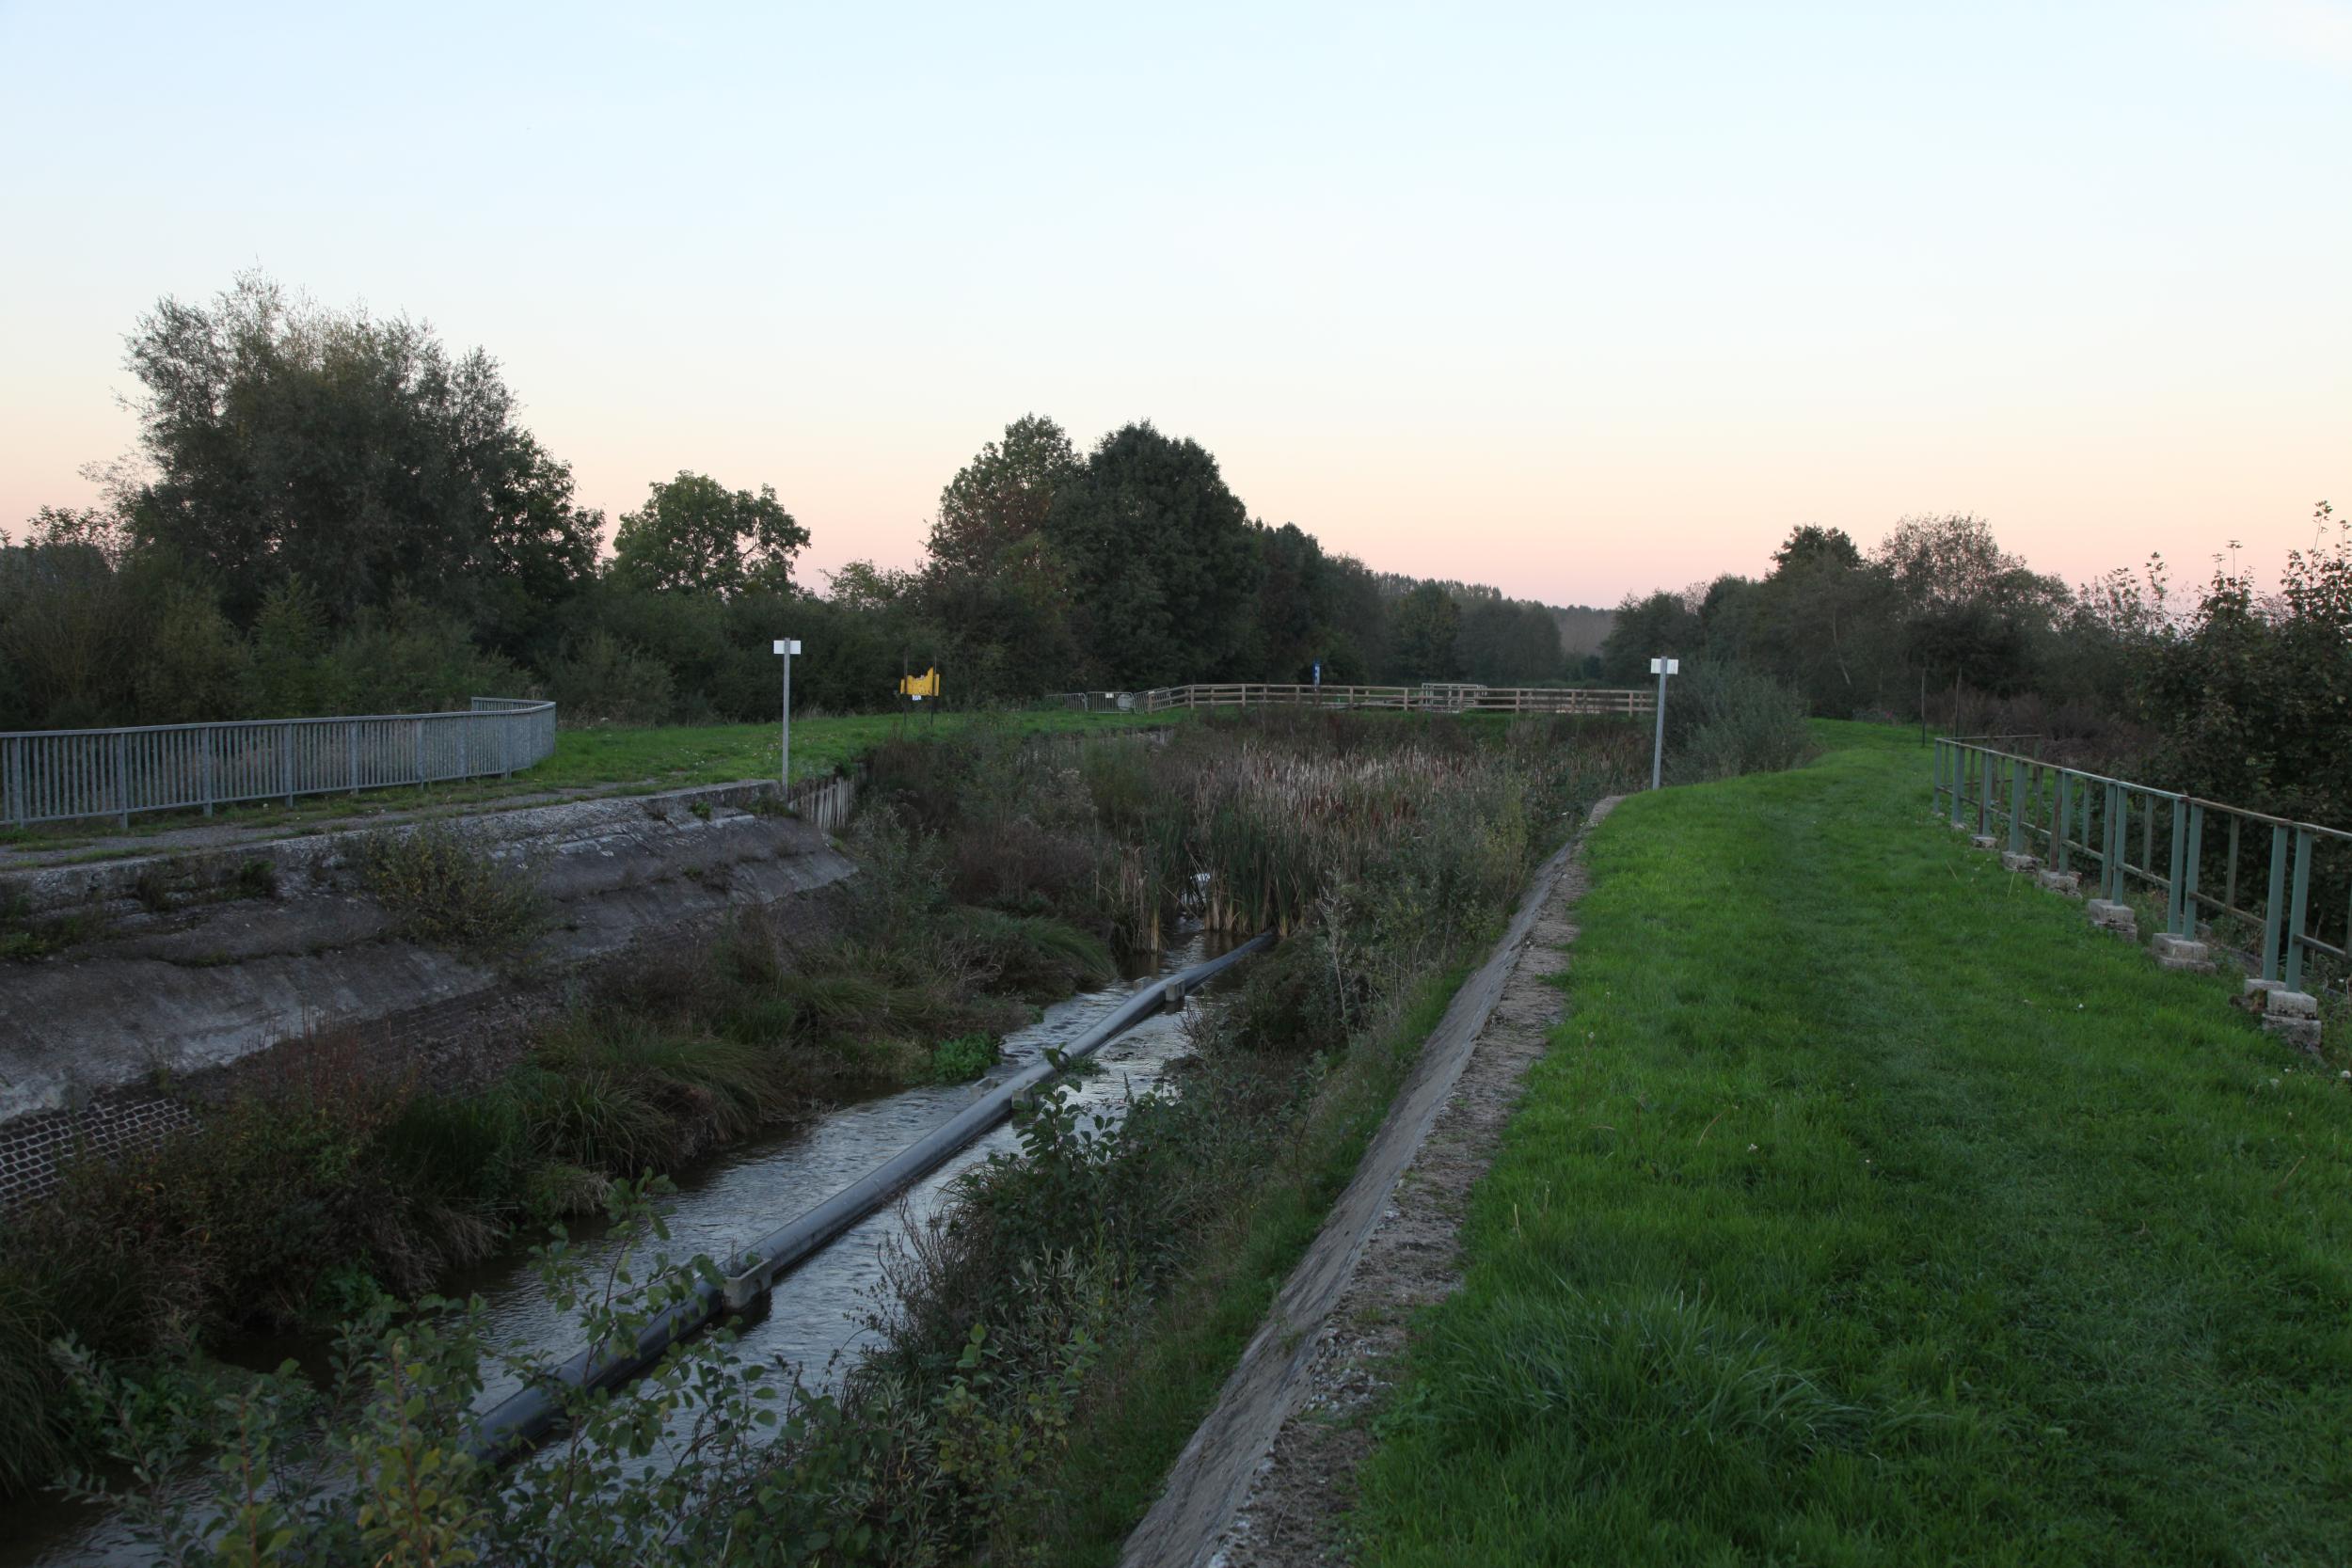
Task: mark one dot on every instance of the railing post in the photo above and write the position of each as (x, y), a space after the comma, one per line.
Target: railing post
(2060, 822)
(1960, 778)
(351, 744)
(2229, 884)
(2117, 821)
(417, 774)
(20, 809)
(210, 732)
(2303, 845)
(2273, 908)
(2189, 873)
(286, 760)
(2175, 887)
(1935, 780)
(2017, 806)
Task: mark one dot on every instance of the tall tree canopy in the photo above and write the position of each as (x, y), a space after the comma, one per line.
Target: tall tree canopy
(1426, 629)
(1163, 566)
(357, 453)
(695, 536)
(998, 501)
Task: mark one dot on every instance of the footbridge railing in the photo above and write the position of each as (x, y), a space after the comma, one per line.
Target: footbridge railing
(1435, 698)
(61, 775)
(2205, 859)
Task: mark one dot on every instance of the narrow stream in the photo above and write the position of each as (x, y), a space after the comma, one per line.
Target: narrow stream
(815, 1318)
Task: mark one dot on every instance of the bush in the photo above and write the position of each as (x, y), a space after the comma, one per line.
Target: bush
(598, 679)
(1723, 720)
(444, 890)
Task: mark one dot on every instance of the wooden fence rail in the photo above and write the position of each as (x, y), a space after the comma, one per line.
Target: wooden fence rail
(61, 775)
(1411, 699)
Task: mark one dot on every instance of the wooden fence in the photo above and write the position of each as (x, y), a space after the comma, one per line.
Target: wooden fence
(61, 775)
(1410, 699)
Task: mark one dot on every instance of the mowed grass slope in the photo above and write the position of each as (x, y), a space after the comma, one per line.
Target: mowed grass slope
(1871, 1209)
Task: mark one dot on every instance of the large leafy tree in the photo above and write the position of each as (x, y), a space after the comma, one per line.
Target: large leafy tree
(355, 452)
(1162, 565)
(1824, 623)
(1507, 642)
(1972, 613)
(1664, 625)
(695, 536)
(995, 595)
(1424, 630)
(1291, 627)
(998, 502)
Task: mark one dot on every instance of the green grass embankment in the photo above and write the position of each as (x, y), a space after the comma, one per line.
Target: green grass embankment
(1871, 1209)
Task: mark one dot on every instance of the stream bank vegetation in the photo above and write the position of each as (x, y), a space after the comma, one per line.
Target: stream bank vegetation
(1048, 1340)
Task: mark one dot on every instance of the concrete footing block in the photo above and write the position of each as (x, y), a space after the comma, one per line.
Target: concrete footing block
(2019, 863)
(1979, 841)
(2185, 953)
(2112, 915)
(2068, 882)
(2292, 1016)
(2283, 1003)
(2255, 994)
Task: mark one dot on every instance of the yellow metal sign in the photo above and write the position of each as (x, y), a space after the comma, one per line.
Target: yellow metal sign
(920, 687)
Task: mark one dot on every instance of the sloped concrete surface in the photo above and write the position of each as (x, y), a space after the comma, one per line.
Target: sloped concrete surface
(180, 968)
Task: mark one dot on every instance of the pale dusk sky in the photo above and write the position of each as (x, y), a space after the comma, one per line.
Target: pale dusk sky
(1573, 299)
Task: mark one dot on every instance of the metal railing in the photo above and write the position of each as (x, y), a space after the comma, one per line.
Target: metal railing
(2187, 847)
(1422, 698)
(64, 775)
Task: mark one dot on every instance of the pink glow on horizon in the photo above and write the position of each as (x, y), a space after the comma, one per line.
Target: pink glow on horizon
(1576, 301)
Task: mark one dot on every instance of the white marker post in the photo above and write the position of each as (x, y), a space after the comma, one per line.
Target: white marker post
(787, 648)
(1661, 667)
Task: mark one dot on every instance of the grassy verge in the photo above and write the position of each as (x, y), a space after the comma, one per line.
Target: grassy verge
(614, 760)
(1870, 1208)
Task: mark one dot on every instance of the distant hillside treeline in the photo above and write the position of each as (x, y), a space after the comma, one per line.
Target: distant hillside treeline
(329, 511)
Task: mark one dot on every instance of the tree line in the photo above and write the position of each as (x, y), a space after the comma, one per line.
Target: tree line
(2237, 693)
(331, 512)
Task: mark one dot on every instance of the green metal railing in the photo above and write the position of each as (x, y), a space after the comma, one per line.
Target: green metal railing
(65, 775)
(2187, 847)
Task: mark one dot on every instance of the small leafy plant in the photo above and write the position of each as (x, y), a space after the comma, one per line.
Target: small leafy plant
(445, 890)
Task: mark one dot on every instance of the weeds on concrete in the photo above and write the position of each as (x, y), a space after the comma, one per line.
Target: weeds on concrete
(445, 889)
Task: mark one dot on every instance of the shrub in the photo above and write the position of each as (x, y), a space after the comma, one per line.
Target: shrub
(599, 679)
(1034, 956)
(444, 890)
(1723, 720)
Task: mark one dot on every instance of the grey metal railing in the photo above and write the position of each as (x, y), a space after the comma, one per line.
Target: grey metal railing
(1435, 698)
(64, 775)
(2068, 814)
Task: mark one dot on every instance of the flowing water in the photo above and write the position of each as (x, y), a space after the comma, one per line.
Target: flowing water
(815, 1317)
